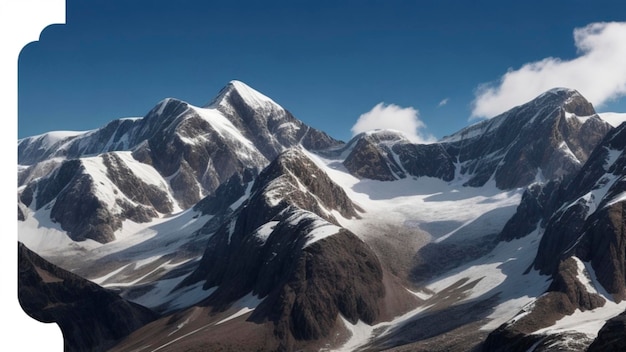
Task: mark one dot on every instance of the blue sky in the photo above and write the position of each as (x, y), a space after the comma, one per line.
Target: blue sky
(328, 62)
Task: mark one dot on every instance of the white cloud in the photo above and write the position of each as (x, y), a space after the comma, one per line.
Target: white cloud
(598, 73)
(443, 102)
(394, 117)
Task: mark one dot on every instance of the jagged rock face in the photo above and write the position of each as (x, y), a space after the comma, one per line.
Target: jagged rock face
(227, 193)
(90, 317)
(387, 156)
(75, 199)
(133, 187)
(196, 155)
(517, 334)
(275, 197)
(70, 192)
(605, 248)
(584, 219)
(284, 178)
(590, 220)
(550, 137)
(336, 275)
(268, 247)
(270, 127)
(194, 150)
(561, 233)
(566, 280)
(538, 203)
(367, 161)
(48, 188)
(431, 160)
(542, 136)
(82, 214)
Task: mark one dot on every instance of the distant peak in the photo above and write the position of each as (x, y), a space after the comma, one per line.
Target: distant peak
(559, 95)
(249, 95)
(561, 91)
(382, 135)
(570, 100)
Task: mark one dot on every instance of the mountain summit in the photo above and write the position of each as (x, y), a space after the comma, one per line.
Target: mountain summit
(237, 90)
(170, 159)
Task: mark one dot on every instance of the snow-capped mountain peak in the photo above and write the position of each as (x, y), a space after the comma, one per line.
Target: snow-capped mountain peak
(236, 90)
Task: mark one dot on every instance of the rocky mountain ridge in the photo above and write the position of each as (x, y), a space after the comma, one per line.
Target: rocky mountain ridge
(236, 215)
(179, 154)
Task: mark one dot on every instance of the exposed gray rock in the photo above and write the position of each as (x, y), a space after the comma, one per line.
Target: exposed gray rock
(538, 204)
(195, 150)
(133, 187)
(304, 286)
(540, 137)
(582, 218)
(82, 214)
(367, 161)
(545, 138)
(90, 317)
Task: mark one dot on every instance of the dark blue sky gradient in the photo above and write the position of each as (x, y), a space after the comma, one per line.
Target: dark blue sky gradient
(325, 61)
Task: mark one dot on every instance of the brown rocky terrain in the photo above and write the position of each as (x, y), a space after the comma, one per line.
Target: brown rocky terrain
(90, 317)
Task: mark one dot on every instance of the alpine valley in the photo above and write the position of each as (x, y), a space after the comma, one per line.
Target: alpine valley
(237, 227)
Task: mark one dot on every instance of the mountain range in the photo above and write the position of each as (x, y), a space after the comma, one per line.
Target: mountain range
(237, 227)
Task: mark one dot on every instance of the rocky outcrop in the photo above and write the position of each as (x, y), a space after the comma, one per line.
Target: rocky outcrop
(582, 222)
(294, 179)
(430, 160)
(388, 155)
(283, 245)
(133, 187)
(367, 161)
(566, 280)
(590, 220)
(90, 317)
(603, 245)
(337, 275)
(549, 138)
(69, 193)
(517, 335)
(538, 204)
(270, 127)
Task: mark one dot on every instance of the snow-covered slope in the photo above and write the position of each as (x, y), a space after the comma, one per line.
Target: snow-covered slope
(614, 118)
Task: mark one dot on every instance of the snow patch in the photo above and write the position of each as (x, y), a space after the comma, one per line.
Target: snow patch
(224, 127)
(588, 322)
(568, 152)
(251, 96)
(321, 232)
(583, 276)
(243, 198)
(246, 304)
(611, 158)
(264, 231)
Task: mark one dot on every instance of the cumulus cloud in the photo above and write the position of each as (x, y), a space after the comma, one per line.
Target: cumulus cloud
(443, 102)
(598, 73)
(394, 117)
